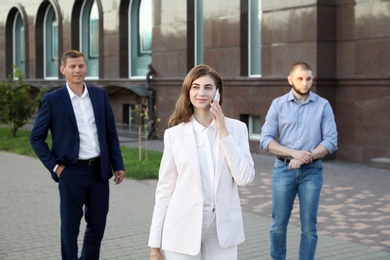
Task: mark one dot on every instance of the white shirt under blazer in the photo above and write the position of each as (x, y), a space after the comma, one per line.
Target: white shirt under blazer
(178, 211)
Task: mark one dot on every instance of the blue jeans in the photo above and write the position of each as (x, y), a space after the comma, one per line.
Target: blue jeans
(286, 184)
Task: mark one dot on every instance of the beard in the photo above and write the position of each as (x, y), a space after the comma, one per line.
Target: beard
(300, 92)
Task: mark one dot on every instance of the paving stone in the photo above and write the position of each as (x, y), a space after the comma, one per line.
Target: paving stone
(354, 221)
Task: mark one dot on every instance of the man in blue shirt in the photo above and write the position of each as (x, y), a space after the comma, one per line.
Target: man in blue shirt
(306, 129)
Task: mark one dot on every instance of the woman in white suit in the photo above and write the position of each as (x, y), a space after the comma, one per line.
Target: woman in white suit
(197, 213)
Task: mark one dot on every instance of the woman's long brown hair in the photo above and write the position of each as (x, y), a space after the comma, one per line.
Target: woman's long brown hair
(184, 108)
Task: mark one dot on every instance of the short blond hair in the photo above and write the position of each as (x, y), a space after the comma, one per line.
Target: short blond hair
(70, 55)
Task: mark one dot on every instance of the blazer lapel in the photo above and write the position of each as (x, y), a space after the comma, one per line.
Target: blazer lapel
(94, 99)
(68, 104)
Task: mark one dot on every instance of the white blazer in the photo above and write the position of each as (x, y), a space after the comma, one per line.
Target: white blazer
(178, 211)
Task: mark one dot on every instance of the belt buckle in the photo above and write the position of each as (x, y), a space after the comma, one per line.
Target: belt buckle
(91, 162)
(284, 159)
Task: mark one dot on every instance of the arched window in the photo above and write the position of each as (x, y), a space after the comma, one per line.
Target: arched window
(19, 56)
(89, 36)
(140, 26)
(199, 32)
(254, 38)
(50, 44)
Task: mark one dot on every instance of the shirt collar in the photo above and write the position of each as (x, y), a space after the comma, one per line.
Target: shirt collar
(291, 97)
(198, 127)
(72, 94)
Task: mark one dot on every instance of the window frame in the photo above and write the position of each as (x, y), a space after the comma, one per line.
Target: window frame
(138, 60)
(92, 60)
(18, 38)
(54, 43)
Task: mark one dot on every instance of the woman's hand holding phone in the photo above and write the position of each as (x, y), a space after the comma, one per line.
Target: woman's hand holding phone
(218, 116)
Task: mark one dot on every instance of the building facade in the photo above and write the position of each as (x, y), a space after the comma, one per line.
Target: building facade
(140, 51)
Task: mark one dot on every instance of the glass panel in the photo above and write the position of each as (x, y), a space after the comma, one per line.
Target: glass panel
(140, 37)
(54, 41)
(51, 44)
(199, 44)
(19, 44)
(254, 38)
(145, 26)
(89, 37)
(22, 52)
(254, 126)
(94, 32)
(256, 129)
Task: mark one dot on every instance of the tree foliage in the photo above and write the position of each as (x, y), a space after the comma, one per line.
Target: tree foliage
(17, 102)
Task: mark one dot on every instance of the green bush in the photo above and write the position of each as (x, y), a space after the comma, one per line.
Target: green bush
(16, 102)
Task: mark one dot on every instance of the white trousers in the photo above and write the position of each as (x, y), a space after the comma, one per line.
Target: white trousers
(210, 249)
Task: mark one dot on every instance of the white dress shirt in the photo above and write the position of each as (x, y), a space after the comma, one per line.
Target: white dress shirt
(206, 140)
(85, 118)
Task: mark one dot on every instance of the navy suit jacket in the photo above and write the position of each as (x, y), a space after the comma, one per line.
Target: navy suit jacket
(57, 116)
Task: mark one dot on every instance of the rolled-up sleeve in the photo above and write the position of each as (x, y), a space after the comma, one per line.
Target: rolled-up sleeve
(270, 127)
(329, 130)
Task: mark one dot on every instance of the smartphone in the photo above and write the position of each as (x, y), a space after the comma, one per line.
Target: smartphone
(217, 96)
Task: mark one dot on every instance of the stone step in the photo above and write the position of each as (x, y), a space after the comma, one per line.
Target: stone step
(382, 163)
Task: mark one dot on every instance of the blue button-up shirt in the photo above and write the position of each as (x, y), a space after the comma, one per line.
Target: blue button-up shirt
(300, 126)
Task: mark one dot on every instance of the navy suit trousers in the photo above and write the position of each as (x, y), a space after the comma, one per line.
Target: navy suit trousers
(82, 188)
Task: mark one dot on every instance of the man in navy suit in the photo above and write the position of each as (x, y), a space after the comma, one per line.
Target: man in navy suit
(84, 154)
